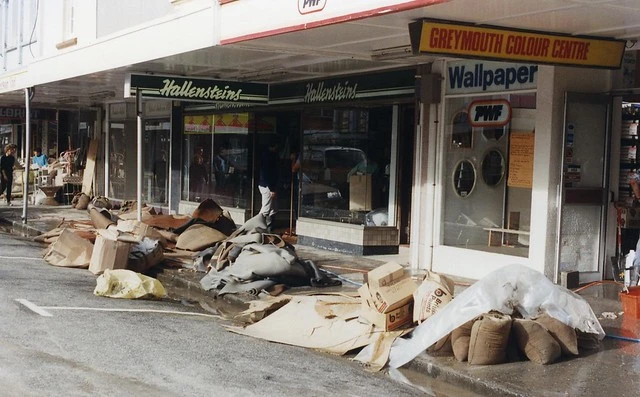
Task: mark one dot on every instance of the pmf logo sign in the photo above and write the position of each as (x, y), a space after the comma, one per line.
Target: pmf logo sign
(489, 113)
(308, 6)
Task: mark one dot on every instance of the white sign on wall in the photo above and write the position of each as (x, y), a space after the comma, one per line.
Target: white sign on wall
(466, 77)
(249, 19)
(308, 6)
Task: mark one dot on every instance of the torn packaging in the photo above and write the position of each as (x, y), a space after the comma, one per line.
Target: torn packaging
(300, 323)
(138, 231)
(69, 250)
(432, 294)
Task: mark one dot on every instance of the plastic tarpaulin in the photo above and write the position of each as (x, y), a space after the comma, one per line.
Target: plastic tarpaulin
(513, 287)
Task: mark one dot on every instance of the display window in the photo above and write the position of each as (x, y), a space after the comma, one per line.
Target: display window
(487, 172)
(155, 153)
(346, 156)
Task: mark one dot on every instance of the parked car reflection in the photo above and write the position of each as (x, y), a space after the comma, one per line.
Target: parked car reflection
(314, 193)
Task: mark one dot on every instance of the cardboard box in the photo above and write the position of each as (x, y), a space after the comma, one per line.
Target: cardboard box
(387, 274)
(389, 298)
(387, 321)
(360, 193)
(108, 253)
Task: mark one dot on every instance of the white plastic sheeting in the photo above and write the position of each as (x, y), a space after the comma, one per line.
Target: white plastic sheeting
(513, 287)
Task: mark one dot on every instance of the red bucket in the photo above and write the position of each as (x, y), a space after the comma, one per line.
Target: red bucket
(631, 302)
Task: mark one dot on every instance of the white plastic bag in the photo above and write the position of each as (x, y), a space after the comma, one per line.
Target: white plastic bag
(508, 288)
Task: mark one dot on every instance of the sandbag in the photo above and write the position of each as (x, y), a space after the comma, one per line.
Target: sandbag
(536, 343)
(199, 237)
(122, 283)
(561, 332)
(489, 339)
(460, 338)
(442, 347)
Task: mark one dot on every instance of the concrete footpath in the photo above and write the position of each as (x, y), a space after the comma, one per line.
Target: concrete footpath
(612, 370)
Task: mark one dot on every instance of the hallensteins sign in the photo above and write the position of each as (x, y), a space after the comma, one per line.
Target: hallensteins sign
(196, 90)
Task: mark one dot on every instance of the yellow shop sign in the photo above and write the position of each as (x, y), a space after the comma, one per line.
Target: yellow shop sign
(491, 42)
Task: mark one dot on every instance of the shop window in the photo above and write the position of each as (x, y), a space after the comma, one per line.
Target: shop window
(155, 153)
(345, 163)
(477, 192)
(216, 159)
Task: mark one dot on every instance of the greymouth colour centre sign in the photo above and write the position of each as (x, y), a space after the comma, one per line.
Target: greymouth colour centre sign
(197, 90)
(430, 36)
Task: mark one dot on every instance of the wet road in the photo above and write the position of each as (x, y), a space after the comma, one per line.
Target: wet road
(60, 339)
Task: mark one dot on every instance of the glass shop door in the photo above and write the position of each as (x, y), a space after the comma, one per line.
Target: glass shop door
(584, 185)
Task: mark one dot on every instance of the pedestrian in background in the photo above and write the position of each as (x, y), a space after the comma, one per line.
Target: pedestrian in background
(39, 159)
(198, 179)
(268, 180)
(7, 164)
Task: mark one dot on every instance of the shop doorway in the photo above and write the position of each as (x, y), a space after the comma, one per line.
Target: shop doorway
(583, 206)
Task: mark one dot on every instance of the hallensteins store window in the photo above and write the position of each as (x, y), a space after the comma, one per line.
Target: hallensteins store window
(346, 157)
(345, 145)
(216, 159)
(487, 148)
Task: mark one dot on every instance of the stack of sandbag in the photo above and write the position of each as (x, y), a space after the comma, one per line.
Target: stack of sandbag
(492, 339)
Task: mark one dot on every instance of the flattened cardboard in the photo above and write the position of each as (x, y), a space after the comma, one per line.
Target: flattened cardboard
(298, 323)
(108, 253)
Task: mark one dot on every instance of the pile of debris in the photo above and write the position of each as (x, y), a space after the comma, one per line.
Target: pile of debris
(237, 260)
(513, 314)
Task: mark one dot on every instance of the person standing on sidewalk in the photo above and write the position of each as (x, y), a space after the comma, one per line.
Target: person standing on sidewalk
(7, 164)
(268, 181)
